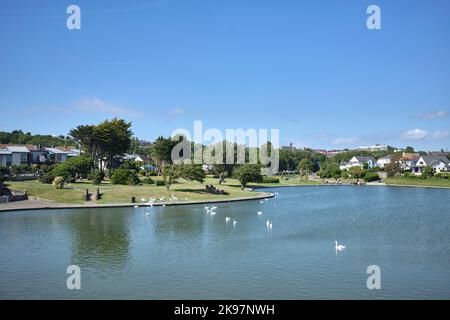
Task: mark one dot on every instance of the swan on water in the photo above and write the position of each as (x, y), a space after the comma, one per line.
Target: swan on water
(339, 247)
(259, 213)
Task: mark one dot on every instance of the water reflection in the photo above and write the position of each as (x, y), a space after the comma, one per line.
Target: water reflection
(100, 238)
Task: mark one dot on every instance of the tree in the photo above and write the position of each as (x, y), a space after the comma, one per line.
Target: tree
(330, 170)
(192, 172)
(73, 168)
(170, 174)
(221, 171)
(248, 173)
(305, 166)
(125, 177)
(409, 149)
(356, 172)
(162, 151)
(104, 141)
(427, 172)
(392, 169)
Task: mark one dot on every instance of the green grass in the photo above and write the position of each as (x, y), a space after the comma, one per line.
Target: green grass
(184, 190)
(431, 182)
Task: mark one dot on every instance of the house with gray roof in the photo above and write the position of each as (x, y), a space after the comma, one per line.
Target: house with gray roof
(438, 163)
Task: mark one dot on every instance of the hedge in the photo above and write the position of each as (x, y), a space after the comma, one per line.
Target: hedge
(271, 180)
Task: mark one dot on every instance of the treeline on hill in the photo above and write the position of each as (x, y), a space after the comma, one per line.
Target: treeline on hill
(19, 137)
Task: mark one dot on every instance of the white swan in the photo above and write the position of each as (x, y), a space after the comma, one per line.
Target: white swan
(234, 222)
(261, 201)
(267, 223)
(259, 213)
(206, 208)
(227, 219)
(339, 247)
(136, 207)
(213, 208)
(270, 225)
(147, 214)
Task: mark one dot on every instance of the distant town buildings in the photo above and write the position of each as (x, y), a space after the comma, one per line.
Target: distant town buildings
(11, 154)
(377, 147)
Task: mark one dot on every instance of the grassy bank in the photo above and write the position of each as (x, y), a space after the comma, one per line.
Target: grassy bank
(430, 182)
(184, 191)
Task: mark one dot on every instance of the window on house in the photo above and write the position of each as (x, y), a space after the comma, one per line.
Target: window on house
(23, 158)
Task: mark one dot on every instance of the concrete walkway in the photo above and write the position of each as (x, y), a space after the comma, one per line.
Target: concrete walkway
(39, 204)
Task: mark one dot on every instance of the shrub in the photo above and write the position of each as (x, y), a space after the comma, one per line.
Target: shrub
(159, 183)
(441, 175)
(408, 175)
(58, 182)
(148, 180)
(96, 177)
(248, 173)
(46, 178)
(73, 168)
(371, 176)
(152, 173)
(271, 180)
(427, 172)
(124, 176)
(142, 173)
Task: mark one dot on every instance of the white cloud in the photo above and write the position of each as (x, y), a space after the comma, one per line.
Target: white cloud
(433, 115)
(92, 104)
(419, 134)
(176, 112)
(414, 134)
(344, 141)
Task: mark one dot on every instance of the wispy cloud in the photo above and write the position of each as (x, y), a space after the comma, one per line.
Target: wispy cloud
(440, 135)
(92, 104)
(176, 112)
(419, 134)
(440, 114)
(344, 141)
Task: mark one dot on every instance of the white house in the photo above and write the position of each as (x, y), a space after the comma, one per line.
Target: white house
(18, 155)
(383, 161)
(438, 163)
(408, 161)
(57, 155)
(5, 158)
(359, 161)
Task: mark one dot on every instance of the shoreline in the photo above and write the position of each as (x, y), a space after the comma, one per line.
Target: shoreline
(416, 186)
(42, 204)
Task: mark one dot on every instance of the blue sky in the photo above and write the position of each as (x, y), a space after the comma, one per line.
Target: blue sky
(311, 69)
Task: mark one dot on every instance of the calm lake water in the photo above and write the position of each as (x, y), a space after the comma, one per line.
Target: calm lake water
(181, 252)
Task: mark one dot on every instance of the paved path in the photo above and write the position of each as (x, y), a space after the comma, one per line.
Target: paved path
(35, 204)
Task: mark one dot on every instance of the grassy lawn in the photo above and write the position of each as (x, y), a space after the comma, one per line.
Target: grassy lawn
(419, 182)
(183, 190)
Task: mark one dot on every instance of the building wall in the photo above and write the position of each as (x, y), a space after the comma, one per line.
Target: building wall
(4, 159)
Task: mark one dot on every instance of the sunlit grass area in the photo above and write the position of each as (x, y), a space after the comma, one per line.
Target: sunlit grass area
(411, 181)
(183, 190)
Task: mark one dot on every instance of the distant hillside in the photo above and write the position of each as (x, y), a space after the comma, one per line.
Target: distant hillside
(19, 137)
